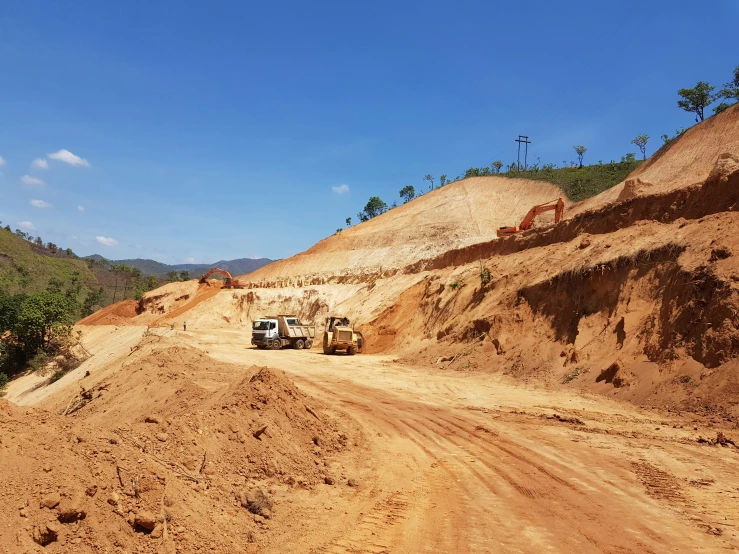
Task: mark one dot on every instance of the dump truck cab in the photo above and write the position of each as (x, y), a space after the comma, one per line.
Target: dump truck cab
(282, 330)
(340, 335)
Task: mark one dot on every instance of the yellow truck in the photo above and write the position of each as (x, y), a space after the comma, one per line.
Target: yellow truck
(339, 334)
(282, 330)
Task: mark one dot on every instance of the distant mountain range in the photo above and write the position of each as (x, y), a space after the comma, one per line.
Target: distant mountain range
(152, 267)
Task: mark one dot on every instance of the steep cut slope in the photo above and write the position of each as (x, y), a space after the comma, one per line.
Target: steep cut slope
(685, 161)
(456, 215)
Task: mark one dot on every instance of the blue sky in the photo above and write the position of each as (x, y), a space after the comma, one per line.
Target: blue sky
(219, 130)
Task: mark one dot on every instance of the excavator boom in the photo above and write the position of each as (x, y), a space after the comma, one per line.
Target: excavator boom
(558, 206)
(228, 281)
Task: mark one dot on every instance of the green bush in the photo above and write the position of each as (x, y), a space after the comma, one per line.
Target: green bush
(579, 183)
(34, 328)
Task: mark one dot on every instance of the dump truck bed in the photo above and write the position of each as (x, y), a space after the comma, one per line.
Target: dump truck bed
(294, 330)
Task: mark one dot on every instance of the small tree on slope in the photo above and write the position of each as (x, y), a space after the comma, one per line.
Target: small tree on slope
(408, 193)
(640, 141)
(694, 100)
(580, 150)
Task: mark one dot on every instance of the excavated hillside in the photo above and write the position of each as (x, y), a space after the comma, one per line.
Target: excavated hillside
(632, 295)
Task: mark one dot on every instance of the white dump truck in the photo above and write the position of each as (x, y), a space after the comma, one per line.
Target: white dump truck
(282, 330)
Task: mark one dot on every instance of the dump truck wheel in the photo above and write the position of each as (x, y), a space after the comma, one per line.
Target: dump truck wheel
(299, 344)
(351, 350)
(261, 346)
(276, 345)
(308, 344)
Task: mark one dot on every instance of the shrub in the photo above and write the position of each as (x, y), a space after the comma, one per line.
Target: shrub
(484, 275)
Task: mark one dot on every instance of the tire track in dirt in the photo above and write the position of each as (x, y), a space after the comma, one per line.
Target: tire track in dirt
(548, 489)
(367, 535)
(519, 498)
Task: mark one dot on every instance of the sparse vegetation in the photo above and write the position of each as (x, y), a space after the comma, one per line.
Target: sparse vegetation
(580, 151)
(640, 141)
(454, 285)
(571, 376)
(374, 207)
(721, 107)
(485, 276)
(407, 193)
(580, 183)
(730, 90)
(667, 139)
(694, 100)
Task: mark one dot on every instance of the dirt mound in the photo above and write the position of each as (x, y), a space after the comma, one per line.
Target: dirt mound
(120, 313)
(169, 450)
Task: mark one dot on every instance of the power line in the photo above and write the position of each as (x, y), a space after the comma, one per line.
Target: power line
(526, 142)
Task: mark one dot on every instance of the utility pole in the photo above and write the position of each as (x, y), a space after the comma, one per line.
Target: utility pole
(525, 140)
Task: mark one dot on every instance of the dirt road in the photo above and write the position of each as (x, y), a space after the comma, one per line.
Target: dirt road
(469, 462)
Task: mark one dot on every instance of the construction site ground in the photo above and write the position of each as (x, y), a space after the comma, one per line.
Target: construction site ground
(436, 460)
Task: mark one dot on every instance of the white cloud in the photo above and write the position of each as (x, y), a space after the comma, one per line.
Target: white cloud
(341, 189)
(26, 226)
(190, 260)
(106, 241)
(32, 181)
(81, 208)
(40, 163)
(2, 160)
(68, 158)
(40, 204)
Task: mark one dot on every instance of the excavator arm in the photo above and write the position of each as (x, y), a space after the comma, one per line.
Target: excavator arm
(527, 223)
(228, 281)
(215, 271)
(558, 207)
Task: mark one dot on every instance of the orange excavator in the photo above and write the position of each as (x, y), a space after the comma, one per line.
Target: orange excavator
(528, 222)
(228, 281)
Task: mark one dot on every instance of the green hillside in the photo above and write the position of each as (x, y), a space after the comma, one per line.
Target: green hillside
(29, 268)
(578, 183)
(25, 267)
